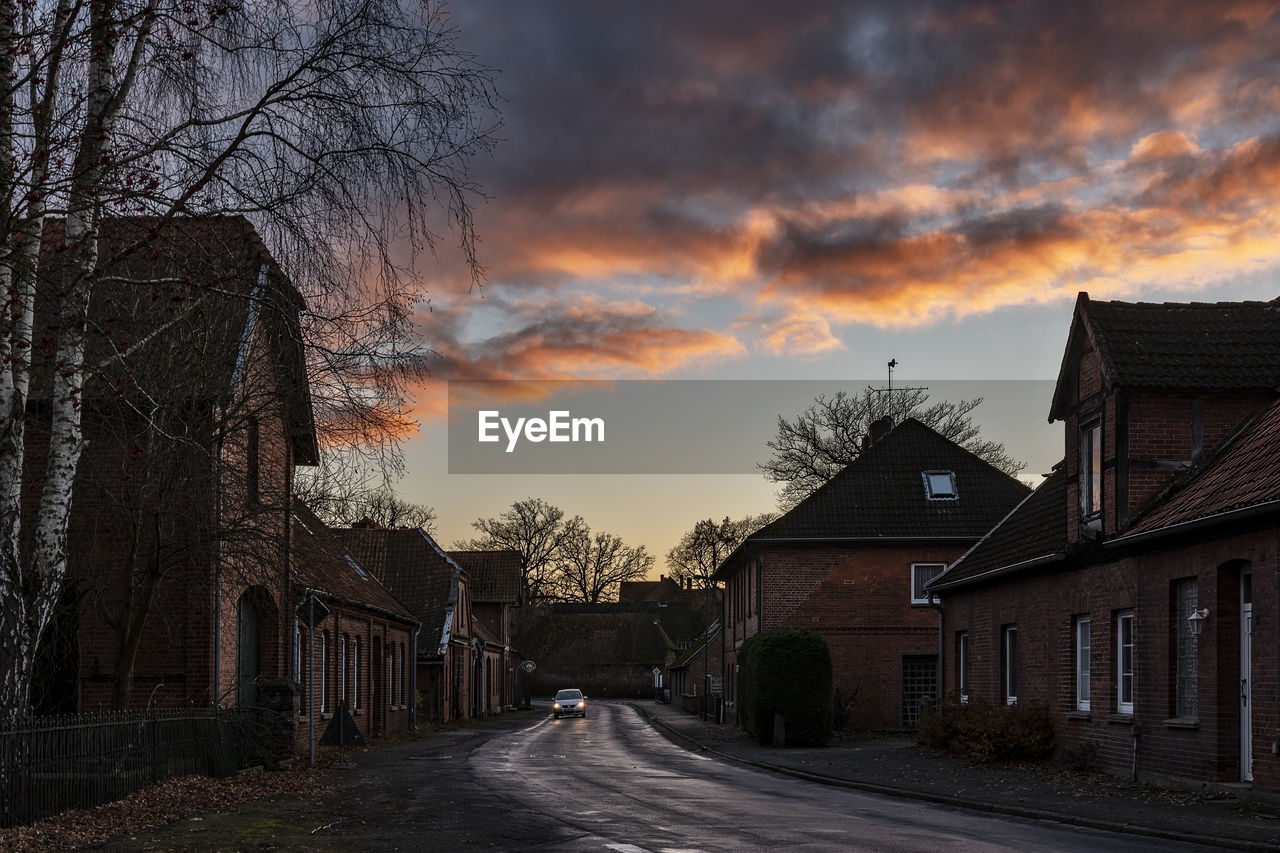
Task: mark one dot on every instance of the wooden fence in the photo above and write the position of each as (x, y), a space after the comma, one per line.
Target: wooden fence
(49, 764)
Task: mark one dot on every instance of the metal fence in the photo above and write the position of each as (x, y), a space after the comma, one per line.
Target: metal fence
(49, 764)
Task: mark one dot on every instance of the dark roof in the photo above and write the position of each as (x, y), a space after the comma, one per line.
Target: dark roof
(1180, 345)
(493, 576)
(321, 563)
(207, 281)
(659, 590)
(1242, 473)
(416, 571)
(1034, 533)
(882, 494)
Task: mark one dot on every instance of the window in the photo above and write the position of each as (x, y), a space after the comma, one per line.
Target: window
(252, 474)
(1186, 687)
(342, 669)
(1083, 644)
(405, 663)
(355, 672)
(962, 666)
(297, 651)
(391, 675)
(1124, 662)
(1091, 472)
(921, 574)
(324, 671)
(940, 485)
(1009, 647)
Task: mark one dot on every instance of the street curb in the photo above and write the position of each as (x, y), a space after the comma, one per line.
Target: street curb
(1044, 815)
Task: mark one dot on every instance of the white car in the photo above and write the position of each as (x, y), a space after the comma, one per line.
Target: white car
(569, 703)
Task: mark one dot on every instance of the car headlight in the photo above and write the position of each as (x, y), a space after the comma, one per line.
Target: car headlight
(555, 705)
(582, 704)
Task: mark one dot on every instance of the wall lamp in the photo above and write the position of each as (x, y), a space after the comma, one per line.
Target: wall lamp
(1196, 620)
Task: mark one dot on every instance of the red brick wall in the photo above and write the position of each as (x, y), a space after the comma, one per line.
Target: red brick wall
(859, 599)
(1043, 604)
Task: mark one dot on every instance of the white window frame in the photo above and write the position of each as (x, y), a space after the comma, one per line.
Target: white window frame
(342, 669)
(355, 673)
(1009, 660)
(1091, 471)
(1124, 661)
(1084, 664)
(324, 672)
(923, 596)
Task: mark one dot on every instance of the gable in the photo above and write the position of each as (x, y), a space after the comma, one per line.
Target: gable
(1184, 346)
(891, 492)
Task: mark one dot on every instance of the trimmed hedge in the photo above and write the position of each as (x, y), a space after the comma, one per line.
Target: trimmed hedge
(989, 732)
(787, 672)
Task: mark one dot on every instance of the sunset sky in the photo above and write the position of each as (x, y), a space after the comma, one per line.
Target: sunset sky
(805, 190)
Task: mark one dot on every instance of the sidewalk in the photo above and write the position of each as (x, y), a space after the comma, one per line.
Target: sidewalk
(897, 767)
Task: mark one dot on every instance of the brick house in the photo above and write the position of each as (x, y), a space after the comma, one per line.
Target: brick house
(187, 553)
(606, 649)
(851, 561)
(437, 591)
(179, 523)
(495, 582)
(356, 632)
(1134, 593)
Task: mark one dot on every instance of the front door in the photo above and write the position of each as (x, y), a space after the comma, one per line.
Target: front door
(1246, 678)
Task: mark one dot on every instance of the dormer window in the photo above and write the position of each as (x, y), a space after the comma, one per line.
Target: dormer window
(1091, 472)
(940, 485)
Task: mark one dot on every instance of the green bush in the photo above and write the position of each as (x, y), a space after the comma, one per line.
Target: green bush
(787, 672)
(989, 732)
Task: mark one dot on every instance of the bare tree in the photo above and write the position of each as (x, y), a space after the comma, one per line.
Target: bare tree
(342, 127)
(592, 566)
(702, 549)
(344, 508)
(539, 531)
(819, 442)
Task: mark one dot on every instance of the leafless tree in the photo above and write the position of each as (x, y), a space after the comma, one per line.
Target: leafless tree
(592, 566)
(343, 128)
(702, 549)
(539, 531)
(344, 507)
(820, 441)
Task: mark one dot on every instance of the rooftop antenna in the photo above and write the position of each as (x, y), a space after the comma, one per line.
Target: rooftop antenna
(888, 389)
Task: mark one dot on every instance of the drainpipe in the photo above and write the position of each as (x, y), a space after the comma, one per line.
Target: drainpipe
(936, 603)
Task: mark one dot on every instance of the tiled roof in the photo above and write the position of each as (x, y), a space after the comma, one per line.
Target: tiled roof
(493, 576)
(192, 276)
(1220, 345)
(1035, 532)
(1243, 473)
(658, 590)
(320, 562)
(415, 570)
(882, 494)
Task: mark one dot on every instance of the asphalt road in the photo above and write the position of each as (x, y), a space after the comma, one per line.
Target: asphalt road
(609, 782)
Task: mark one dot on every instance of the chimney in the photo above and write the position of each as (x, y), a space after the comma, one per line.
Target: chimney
(880, 427)
(662, 578)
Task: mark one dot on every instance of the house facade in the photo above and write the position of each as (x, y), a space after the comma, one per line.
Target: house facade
(437, 592)
(495, 583)
(188, 555)
(1134, 593)
(851, 561)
